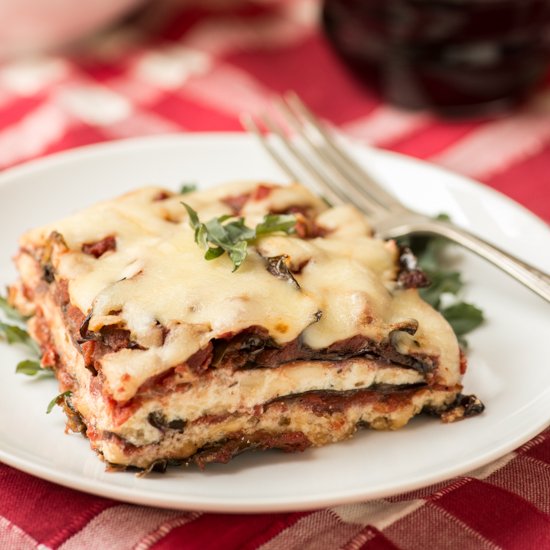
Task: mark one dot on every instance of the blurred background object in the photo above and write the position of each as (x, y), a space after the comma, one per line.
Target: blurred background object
(29, 26)
(458, 57)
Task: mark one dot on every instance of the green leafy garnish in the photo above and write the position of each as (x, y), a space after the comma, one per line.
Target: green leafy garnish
(32, 368)
(16, 335)
(276, 222)
(58, 400)
(188, 188)
(462, 316)
(229, 234)
(10, 312)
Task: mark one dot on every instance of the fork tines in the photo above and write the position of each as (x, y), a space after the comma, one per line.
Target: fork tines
(307, 152)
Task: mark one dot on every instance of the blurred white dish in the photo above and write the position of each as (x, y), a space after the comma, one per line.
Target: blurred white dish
(37, 25)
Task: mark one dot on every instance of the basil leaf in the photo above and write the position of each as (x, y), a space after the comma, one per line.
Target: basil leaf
(238, 231)
(193, 217)
(32, 368)
(213, 253)
(187, 188)
(230, 234)
(57, 400)
(441, 282)
(16, 335)
(273, 223)
(463, 317)
(238, 254)
(9, 311)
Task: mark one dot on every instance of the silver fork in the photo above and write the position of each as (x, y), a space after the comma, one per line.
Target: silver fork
(342, 179)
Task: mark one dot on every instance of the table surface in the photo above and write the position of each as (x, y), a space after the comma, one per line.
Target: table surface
(196, 69)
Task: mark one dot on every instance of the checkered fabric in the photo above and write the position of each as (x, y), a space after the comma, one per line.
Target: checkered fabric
(194, 67)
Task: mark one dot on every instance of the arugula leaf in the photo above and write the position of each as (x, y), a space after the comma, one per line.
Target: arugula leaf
(187, 188)
(462, 316)
(229, 234)
(32, 368)
(10, 312)
(57, 400)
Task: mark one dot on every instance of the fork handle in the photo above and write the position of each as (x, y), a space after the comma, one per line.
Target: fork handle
(533, 278)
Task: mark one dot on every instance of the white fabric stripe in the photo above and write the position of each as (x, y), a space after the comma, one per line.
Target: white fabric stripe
(386, 124)
(317, 531)
(485, 471)
(496, 146)
(229, 90)
(533, 443)
(142, 123)
(359, 540)
(164, 529)
(12, 537)
(33, 133)
(119, 527)
(94, 104)
(170, 67)
(378, 513)
(28, 76)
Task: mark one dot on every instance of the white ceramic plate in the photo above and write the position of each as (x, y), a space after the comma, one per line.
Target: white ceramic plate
(508, 360)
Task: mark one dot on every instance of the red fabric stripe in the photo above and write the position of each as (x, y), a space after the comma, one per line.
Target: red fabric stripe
(27, 501)
(181, 21)
(192, 116)
(14, 111)
(238, 532)
(378, 542)
(542, 450)
(432, 139)
(493, 512)
(312, 70)
(102, 71)
(528, 182)
(77, 136)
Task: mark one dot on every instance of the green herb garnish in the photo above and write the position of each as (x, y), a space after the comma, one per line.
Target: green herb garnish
(32, 368)
(187, 188)
(10, 312)
(462, 316)
(16, 335)
(229, 234)
(58, 400)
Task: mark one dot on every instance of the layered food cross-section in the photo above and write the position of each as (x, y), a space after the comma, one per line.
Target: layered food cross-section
(167, 357)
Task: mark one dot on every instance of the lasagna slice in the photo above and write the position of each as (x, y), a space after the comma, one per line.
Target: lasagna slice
(165, 357)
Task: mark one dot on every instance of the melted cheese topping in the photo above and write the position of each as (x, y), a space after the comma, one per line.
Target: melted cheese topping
(157, 276)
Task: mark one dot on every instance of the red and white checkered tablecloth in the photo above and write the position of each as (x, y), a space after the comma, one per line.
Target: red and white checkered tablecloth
(195, 68)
